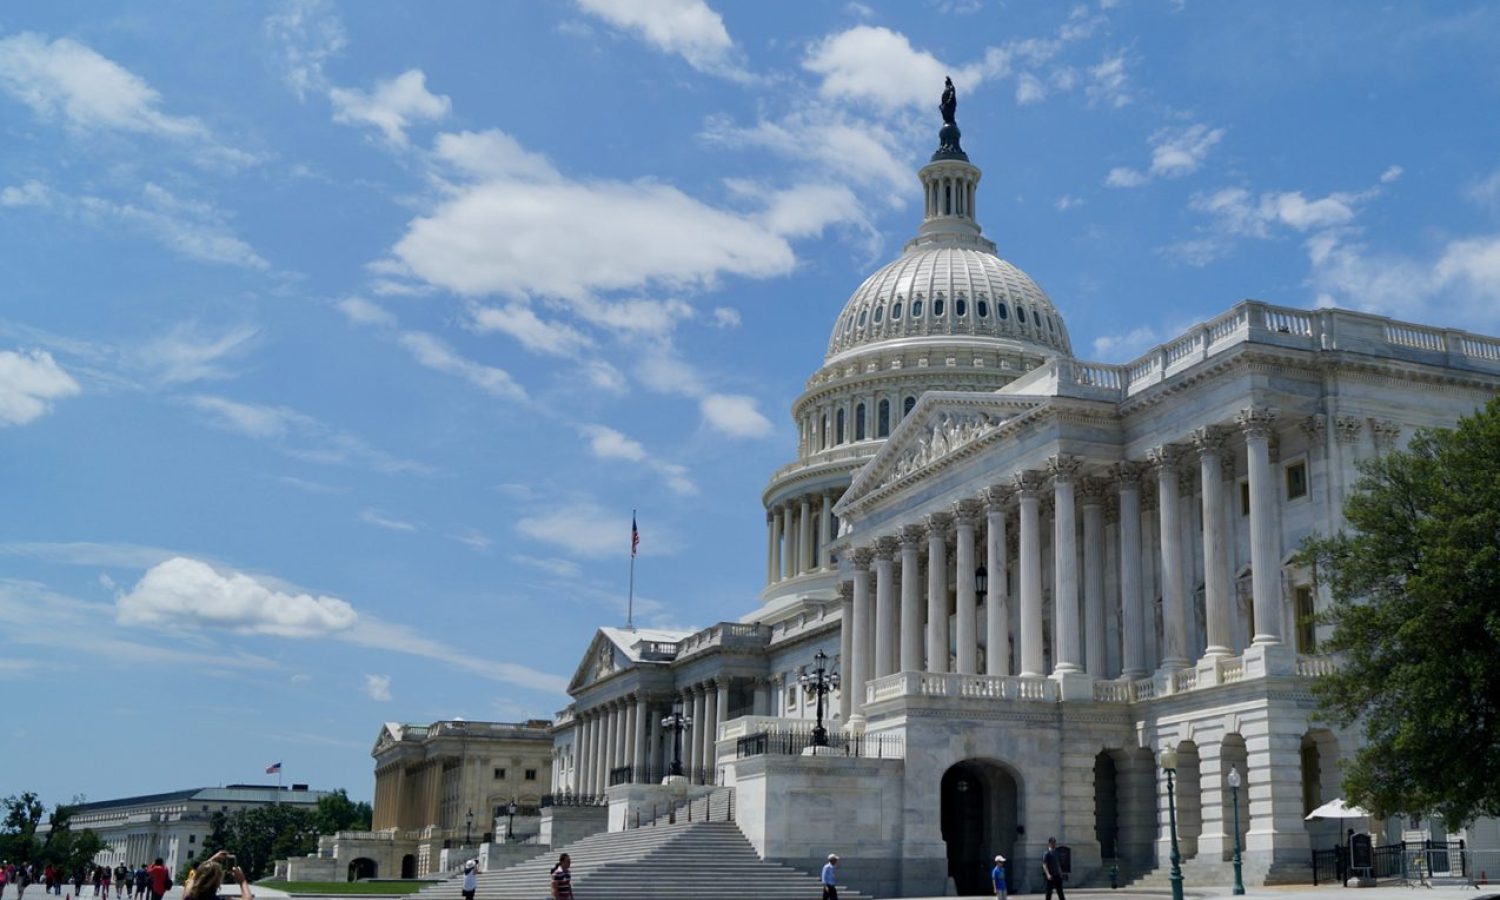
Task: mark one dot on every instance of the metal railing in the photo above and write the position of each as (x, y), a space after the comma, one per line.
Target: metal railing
(571, 799)
(1410, 861)
(864, 746)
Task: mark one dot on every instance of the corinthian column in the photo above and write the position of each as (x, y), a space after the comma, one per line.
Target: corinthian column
(997, 593)
(937, 592)
(859, 669)
(825, 531)
(771, 556)
(778, 530)
(1265, 566)
(805, 533)
(884, 662)
(1173, 607)
(1132, 602)
(1028, 490)
(846, 650)
(1093, 491)
(966, 515)
(1210, 444)
(1065, 559)
(912, 537)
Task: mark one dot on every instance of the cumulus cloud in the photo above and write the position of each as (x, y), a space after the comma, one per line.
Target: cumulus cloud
(687, 28)
(433, 353)
(874, 64)
(1457, 284)
(1175, 152)
(30, 382)
(536, 334)
(393, 106)
(299, 435)
(1119, 347)
(378, 687)
(735, 415)
(1108, 84)
(865, 153)
(188, 593)
(608, 444)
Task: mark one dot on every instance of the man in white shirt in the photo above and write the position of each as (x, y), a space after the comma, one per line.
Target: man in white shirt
(471, 879)
(830, 890)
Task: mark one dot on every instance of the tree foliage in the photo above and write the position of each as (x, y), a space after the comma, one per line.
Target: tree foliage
(336, 812)
(1416, 622)
(59, 845)
(258, 836)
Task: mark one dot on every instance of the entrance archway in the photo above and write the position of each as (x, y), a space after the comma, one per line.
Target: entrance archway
(408, 866)
(980, 811)
(364, 867)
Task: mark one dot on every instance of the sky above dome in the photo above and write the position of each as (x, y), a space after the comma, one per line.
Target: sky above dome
(338, 342)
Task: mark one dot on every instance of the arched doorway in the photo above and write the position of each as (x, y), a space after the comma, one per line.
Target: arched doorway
(980, 811)
(408, 866)
(364, 867)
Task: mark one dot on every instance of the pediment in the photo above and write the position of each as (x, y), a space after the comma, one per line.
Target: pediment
(602, 660)
(943, 427)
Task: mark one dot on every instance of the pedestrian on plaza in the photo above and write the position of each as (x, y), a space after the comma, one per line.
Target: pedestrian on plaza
(22, 878)
(4, 877)
(997, 877)
(830, 883)
(204, 883)
(562, 878)
(78, 876)
(471, 879)
(140, 881)
(159, 879)
(122, 881)
(1052, 870)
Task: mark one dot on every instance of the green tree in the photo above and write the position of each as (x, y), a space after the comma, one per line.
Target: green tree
(259, 836)
(59, 845)
(1416, 622)
(336, 812)
(23, 815)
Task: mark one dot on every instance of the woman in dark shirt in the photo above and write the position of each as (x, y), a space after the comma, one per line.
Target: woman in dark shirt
(562, 879)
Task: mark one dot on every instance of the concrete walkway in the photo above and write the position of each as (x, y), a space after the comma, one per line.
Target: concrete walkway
(1286, 892)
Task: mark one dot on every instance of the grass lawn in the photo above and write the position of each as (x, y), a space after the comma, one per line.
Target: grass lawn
(349, 887)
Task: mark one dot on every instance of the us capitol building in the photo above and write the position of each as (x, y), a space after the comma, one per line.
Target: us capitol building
(1032, 574)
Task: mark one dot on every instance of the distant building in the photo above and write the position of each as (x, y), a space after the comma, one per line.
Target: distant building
(173, 825)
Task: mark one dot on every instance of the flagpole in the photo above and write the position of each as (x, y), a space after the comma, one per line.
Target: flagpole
(630, 603)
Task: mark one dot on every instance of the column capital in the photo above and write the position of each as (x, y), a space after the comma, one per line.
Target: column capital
(913, 536)
(1314, 426)
(1128, 474)
(860, 558)
(885, 548)
(722, 681)
(846, 591)
(997, 497)
(1112, 509)
(1164, 457)
(1063, 468)
(1386, 433)
(1256, 422)
(968, 512)
(1029, 484)
(1208, 440)
(1093, 491)
(937, 524)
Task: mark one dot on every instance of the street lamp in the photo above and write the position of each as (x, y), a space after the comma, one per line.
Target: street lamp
(1168, 761)
(1234, 791)
(981, 581)
(510, 828)
(821, 682)
(469, 828)
(676, 721)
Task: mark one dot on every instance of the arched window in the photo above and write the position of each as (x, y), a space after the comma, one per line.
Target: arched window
(848, 325)
(984, 310)
(916, 308)
(883, 419)
(859, 422)
(1021, 314)
(1002, 311)
(861, 318)
(838, 434)
(896, 311)
(960, 307)
(823, 432)
(879, 312)
(937, 308)
(906, 407)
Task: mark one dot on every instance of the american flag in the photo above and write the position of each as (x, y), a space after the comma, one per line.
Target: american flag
(273, 769)
(635, 535)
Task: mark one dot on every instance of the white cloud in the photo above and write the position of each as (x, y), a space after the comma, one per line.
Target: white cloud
(521, 322)
(29, 193)
(1067, 202)
(1175, 152)
(300, 436)
(491, 154)
(393, 106)
(806, 210)
(604, 376)
(608, 444)
(186, 354)
(1238, 212)
(726, 317)
(1485, 191)
(864, 153)
(1120, 347)
(1458, 285)
(1125, 177)
(1108, 83)
(360, 311)
(1391, 174)
(182, 592)
(378, 687)
(472, 539)
(874, 64)
(587, 530)
(308, 34)
(735, 415)
(386, 636)
(1029, 89)
(434, 354)
(30, 382)
(381, 520)
(688, 28)
(89, 554)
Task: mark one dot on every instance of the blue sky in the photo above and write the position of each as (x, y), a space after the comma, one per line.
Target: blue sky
(337, 342)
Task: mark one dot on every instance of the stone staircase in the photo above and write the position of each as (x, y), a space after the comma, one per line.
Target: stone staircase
(658, 862)
(1200, 872)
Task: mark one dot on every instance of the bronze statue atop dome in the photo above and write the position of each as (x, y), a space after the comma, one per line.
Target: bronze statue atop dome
(948, 135)
(949, 104)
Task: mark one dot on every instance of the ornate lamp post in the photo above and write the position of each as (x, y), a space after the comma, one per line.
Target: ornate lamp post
(981, 581)
(510, 827)
(821, 682)
(1168, 761)
(1234, 790)
(469, 828)
(676, 721)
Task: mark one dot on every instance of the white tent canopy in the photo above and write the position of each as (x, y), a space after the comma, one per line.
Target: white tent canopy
(1337, 809)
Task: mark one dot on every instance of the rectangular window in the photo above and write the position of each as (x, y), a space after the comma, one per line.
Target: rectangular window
(499, 774)
(1296, 480)
(1307, 633)
(192, 839)
(531, 774)
(192, 853)
(1245, 497)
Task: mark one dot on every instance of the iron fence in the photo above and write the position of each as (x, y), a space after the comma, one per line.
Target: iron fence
(1406, 860)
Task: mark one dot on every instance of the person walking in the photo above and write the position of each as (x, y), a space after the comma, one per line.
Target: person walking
(122, 881)
(1052, 870)
(471, 879)
(562, 878)
(997, 877)
(830, 886)
(140, 881)
(159, 880)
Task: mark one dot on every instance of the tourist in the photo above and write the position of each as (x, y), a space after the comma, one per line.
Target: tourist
(140, 881)
(159, 880)
(204, 883)
(1052, 870)
(471, 879)
(122, 881)
(830, 889)
(562, 879)
(4, 878)
(78, 877)
(997, 877)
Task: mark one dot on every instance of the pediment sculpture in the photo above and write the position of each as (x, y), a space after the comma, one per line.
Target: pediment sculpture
(950, 433)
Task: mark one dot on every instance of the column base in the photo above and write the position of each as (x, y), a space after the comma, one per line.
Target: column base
(1074, 685)
(1262, 660)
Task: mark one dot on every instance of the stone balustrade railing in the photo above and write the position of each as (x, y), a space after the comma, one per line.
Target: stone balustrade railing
(747, 725)
(735, 634)
(1315, 666)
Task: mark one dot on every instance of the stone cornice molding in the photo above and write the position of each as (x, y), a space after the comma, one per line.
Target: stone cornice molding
(1256, 422)
(968, 512)
(1315, 427)
(1386, 433)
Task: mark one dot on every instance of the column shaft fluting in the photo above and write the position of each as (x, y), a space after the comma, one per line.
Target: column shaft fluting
(805, 530)
(1093, 583)
(846, 652)
(1173, 611)
(884, 662)
(642, 718)
(1132, 600)
(1030, 551)
(859, 671)
(778, 527)
(1216, 607)
(911, 598)
(1265, 566)
(997, 594)
(937, 594)
(1065, 657)
(967, 612)
(825, 532)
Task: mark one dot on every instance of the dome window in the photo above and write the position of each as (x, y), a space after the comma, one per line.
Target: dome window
(906, 406)
(1049, 323)
(1020, 315)
(883, 419)
(937, 308)
(916, 308)
(1002, 312)
(848, 325)
(879, 314)
(896, 311)
(862, 318)
(984, 310)
(859, 422)
(838, 434)
(960, 308)
(823, 432)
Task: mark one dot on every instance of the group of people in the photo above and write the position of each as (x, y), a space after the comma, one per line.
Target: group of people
(128, 884)
(1052, 874)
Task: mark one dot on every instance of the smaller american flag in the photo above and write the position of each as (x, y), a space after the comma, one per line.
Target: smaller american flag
(635, 535)
(273, 769)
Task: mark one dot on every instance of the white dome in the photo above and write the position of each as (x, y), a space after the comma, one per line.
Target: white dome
(947, 291)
